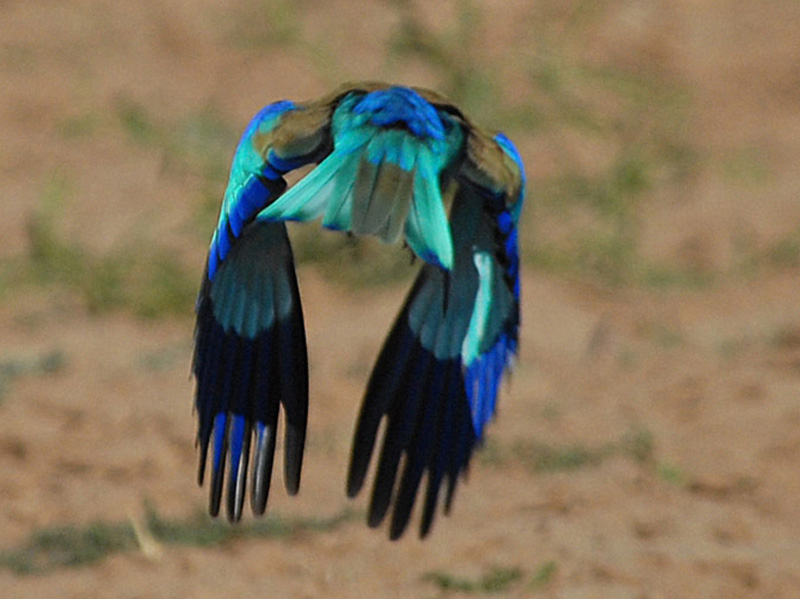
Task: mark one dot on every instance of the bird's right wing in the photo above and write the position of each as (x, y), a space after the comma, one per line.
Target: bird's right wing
(437, 377)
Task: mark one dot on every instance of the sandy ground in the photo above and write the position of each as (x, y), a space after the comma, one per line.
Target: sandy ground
(709, 377)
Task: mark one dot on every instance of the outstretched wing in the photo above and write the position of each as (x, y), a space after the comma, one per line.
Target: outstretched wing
(393, 155)
(437, 376)
(250, 351)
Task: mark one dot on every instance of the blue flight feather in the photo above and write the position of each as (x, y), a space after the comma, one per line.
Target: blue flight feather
(254, 181)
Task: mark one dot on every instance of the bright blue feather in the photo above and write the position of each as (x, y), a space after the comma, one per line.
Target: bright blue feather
(220, 442)
(401, 105)
(254, 181)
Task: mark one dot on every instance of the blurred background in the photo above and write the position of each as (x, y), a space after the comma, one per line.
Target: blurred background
(649, 442)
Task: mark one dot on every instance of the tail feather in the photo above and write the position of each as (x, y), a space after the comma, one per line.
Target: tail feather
(369, 210)
(401, 204)
(384, 186)
(427, 229)
(307, 199)
(338, 214)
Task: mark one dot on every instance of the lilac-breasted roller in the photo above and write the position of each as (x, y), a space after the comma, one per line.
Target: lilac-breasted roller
(389, 161)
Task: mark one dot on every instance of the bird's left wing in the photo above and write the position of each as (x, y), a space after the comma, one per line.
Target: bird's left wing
(250, 350)
(436, 379)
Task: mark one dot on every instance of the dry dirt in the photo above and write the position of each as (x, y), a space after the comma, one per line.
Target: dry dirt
(710, 376)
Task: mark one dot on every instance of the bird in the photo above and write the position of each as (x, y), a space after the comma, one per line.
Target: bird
(386, 161)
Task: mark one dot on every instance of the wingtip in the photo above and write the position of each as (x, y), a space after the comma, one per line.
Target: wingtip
(397, 532)
(355, 480)
(263, 458)
(201, 462)
(240, 456)
(375, 518)
(215, 491)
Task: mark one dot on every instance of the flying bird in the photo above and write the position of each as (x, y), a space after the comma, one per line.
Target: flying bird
(388, 162)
